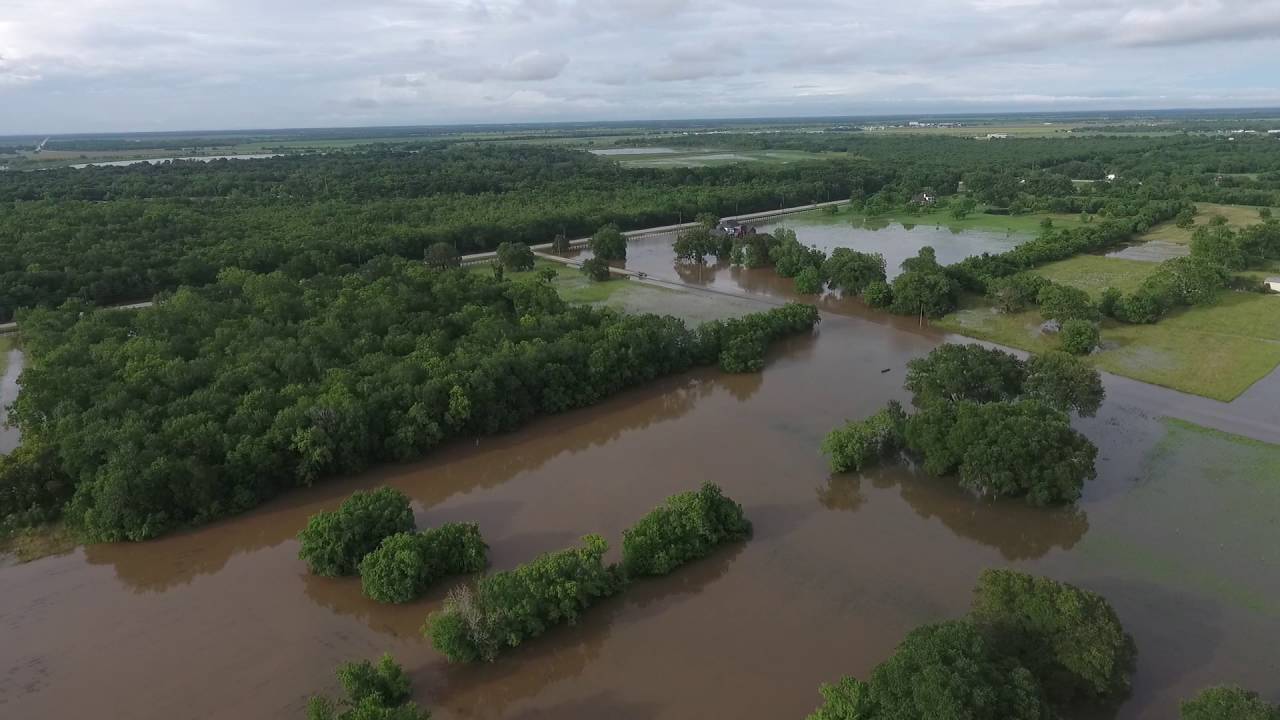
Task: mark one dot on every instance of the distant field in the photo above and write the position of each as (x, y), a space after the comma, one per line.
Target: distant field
(1216, 351)
(708, 158)
(1095, 273)
(1237, 216)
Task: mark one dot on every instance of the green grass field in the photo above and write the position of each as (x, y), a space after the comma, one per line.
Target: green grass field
(1192, 519)
(1216, 351)
(1237, 216)
(572, 285)
(1095, 273)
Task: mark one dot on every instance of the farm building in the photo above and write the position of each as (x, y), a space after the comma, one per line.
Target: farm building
(1273, 283)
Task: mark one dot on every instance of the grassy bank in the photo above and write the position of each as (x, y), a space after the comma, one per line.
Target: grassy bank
(30, 544)
(1217, 351)
(1237, 216)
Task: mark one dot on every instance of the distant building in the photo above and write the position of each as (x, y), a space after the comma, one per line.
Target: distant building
(997, 136)
(1273, 283)
(924, 198)
(1111, 176)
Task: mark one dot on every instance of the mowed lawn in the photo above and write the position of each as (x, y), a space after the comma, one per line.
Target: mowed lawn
(1096, 273)
(1237, 216)
(1216, 351)
(572, 285)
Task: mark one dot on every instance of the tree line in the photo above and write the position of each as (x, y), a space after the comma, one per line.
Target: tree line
(138, 422)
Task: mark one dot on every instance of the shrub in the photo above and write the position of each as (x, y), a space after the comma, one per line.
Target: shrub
(1017, 292)
(950, 670)
(1064, 382)
(878, 294)
(333, 543)
(739, 344)
(406, 564)
(441, 256)
(1079, 337)
(861, 443)
(808, 281)
(596, 269)
(955, 372)
(789, 256)
(923, 292)
(1110, 302)
(373, 693)
(1069, 638)
(689, 526)
(608, 243)
(515, 256)
(1228, 703)
(695, 244)
(507, 608)
(851, 271)
(1016, 449)
(1063, 303)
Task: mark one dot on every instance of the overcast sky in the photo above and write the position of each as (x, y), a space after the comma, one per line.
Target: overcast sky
(115, 65)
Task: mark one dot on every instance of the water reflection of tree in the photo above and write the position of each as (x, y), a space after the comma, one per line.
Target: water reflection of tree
(461, 468)
(489, 689)
(1018, 531)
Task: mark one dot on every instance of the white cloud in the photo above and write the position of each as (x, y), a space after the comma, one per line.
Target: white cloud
(181, 64)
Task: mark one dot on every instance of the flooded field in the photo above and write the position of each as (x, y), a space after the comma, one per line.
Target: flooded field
(1179, 532)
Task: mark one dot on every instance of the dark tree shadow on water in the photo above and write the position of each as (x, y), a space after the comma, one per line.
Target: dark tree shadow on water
(1017, 530)
(565, 651)
(1177, 636)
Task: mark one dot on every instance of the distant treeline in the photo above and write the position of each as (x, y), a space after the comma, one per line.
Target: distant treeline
(108, 235)
(115, 234)
(118, 144)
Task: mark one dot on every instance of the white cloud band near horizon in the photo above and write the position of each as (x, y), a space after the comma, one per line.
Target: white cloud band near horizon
(93, 65)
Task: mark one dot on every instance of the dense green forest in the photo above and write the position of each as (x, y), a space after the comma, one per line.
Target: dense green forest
(219, 397)
(116, 234)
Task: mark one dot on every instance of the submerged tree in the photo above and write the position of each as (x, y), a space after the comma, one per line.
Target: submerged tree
(609, 243)
(378, 692)
(1229, 703)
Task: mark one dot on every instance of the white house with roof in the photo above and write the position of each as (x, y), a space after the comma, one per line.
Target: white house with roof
(1273, 283)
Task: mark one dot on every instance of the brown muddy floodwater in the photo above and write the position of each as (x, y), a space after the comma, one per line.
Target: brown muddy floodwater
(225, 622)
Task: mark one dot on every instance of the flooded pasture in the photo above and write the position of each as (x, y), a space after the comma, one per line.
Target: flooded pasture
(1178, 532)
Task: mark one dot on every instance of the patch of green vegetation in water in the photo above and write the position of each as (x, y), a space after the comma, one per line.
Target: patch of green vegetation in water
(1204, 517)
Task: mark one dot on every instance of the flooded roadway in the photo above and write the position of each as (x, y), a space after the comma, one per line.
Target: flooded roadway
(224, 622)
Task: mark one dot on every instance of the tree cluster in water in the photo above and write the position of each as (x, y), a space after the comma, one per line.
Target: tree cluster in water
(998, 423)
